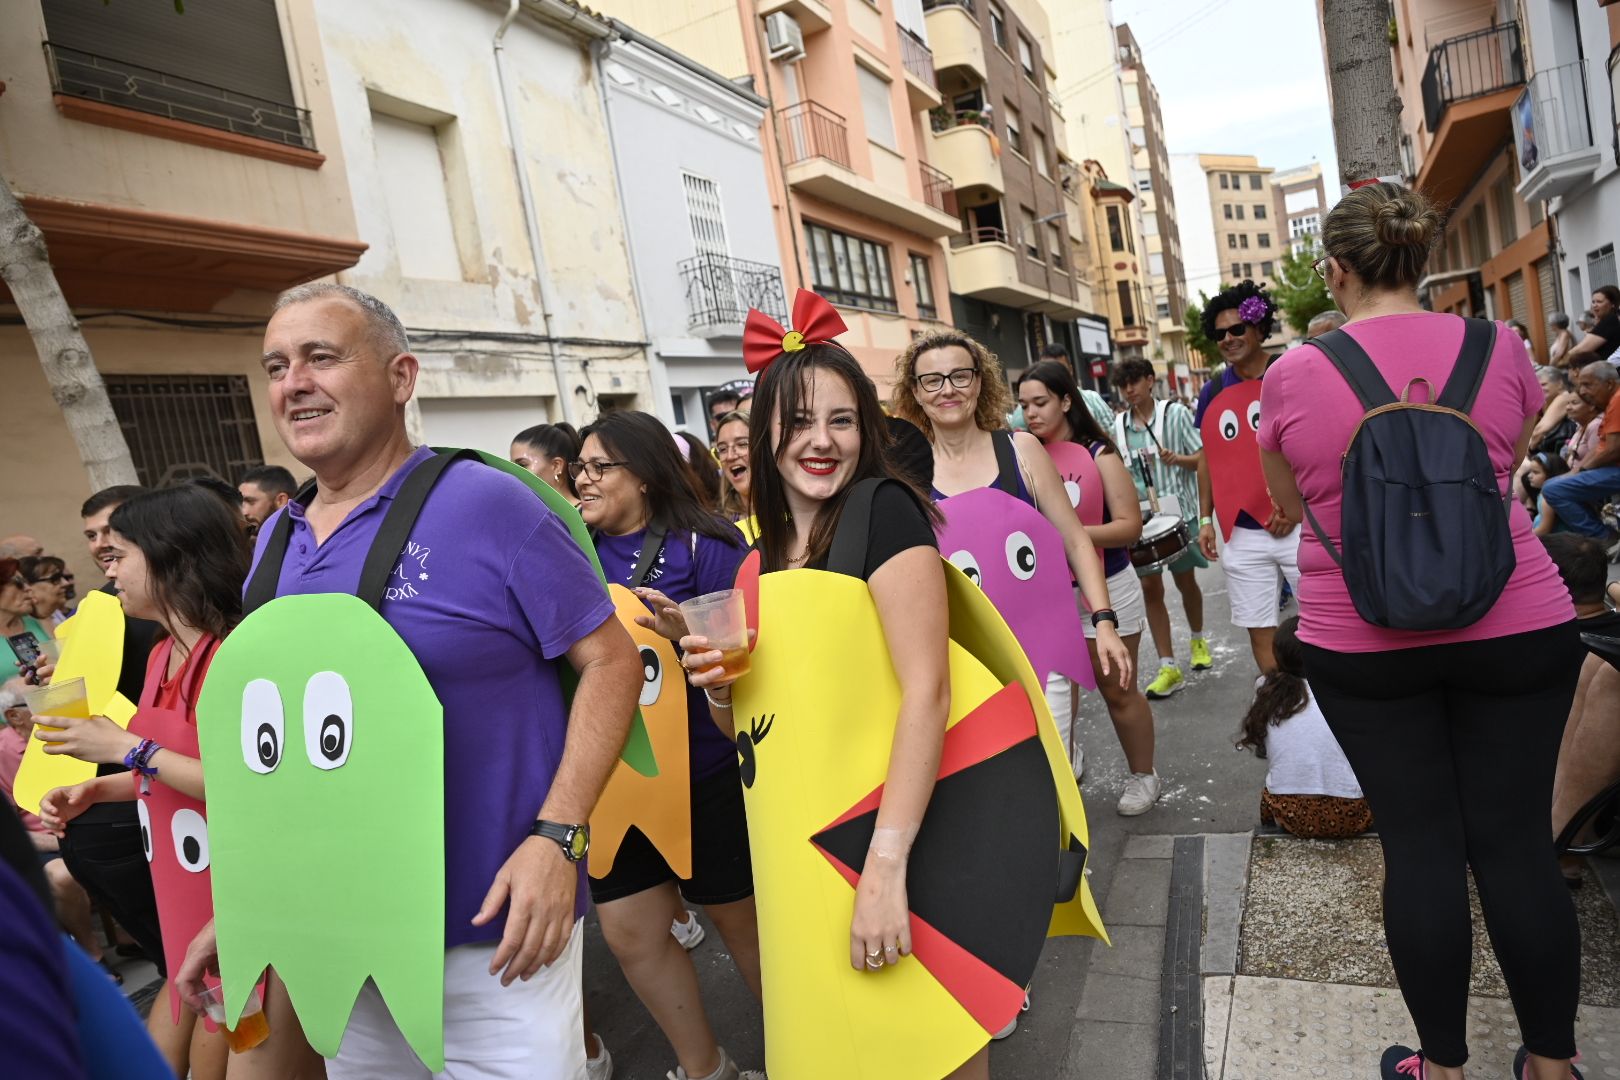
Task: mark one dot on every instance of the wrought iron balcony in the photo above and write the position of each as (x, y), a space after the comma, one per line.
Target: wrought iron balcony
(720, 290)
(1471, 66)
(1552, 133)
(938, 190)
(917, 58)
(131, 86)
(811, 130)
(930, 5)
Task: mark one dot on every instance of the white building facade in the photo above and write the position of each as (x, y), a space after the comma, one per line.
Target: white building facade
(1201, 262)
(702, 238)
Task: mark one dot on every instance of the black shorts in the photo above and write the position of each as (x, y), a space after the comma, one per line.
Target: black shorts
(722, 872)
(107, 858)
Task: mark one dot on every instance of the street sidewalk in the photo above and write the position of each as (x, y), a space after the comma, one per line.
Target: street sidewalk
(1238, 957)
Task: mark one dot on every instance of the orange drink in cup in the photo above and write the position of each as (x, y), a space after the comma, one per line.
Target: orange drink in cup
(250, 1030)
(721, 617)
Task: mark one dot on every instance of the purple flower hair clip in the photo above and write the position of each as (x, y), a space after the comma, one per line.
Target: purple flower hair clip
(1254, 309)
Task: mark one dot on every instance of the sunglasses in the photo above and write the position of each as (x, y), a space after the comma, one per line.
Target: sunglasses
(54, 579)
(1235, 330)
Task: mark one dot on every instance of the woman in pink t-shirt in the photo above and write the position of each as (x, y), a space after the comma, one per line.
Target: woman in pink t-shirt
(1453, 734)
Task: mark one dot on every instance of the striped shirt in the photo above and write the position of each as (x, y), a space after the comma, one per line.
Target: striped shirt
(1175, 432)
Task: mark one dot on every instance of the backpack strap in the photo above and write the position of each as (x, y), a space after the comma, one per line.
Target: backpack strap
(1468, 374)
(1006, 461)
(1357, 368)
(650, 547)
(397, 523)
(261, 587)
(847, 555)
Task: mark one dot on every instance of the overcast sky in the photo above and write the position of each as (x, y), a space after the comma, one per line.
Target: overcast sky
(1238, 77)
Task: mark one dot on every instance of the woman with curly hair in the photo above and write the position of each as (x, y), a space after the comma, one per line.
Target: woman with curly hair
(1258, 554)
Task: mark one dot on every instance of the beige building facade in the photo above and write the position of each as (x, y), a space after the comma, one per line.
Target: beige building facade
(1300, 204)
(1241, 203)
(174, 213)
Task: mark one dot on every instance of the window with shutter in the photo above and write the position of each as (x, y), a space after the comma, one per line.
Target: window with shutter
(1518, 298)
(705, 216)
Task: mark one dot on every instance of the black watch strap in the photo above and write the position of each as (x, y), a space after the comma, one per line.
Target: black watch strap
(1102, 615)
(575, 840)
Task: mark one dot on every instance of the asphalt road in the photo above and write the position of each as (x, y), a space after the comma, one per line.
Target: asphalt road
(1208, 787)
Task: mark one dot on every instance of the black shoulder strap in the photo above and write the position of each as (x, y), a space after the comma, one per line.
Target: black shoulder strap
(1006, 461)
(650, 547)
(847, 555)
(1468, 375)
(397, 524)
(261, 588)
(1356, 367)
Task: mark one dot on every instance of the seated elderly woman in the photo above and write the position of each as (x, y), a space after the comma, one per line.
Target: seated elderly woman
(1578, 496)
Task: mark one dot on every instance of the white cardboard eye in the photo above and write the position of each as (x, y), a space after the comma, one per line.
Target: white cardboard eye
(1254, 416)
(1072, 490)
(1229, 425)
(328, 720)
(964, 561)
(263, 726)
(190, 834)
(1021, 556)
(146, 827)
(652, 675)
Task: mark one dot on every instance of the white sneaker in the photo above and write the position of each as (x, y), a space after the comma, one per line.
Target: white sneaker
(727, 1071)
(1012, 1025)
(599, 1067)
(1079, 762)
(1141, 792)
(689, 932)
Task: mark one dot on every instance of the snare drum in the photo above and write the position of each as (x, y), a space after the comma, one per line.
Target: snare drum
(1164, 538)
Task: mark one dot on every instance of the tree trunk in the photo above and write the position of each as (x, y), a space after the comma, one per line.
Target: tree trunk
(75, 383)
(1361, 81)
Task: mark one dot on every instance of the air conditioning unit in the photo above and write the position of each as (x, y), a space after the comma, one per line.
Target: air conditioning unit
(783, 38)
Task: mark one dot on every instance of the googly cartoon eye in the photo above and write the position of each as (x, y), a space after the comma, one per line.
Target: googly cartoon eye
(1072, 490)
(964, 561)
(1254, 416)
(145, 816)
(652, 675)
(262, 725)
(1229, 425)
(1021, 556)
(328, 719)
(190, 834)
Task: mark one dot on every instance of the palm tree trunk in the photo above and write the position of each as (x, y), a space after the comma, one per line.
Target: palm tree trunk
(76, 385)
(1361, 82)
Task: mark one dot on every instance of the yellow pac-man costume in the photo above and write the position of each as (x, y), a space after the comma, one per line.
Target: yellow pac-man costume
(996, 866)
(659, 805)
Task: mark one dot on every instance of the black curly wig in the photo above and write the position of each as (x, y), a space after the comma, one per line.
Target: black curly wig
(1230, 299)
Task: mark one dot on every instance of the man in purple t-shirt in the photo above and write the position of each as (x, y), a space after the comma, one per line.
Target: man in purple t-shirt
(489, 613)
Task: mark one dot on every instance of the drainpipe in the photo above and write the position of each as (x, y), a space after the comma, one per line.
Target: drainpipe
(548, 303)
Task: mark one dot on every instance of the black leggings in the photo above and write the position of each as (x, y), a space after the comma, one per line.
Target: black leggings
(1455, 747)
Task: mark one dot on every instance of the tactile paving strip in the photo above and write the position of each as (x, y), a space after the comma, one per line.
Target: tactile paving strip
(1330, 1031)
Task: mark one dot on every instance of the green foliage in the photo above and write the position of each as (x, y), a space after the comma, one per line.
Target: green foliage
(1299, 293)
(1197, 340)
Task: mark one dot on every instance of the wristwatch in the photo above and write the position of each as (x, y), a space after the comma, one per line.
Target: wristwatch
(575, 840)
(1102, 615)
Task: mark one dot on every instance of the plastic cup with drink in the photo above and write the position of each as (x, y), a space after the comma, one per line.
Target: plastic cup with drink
(251, 1028)
(64, 697)
(722, 619)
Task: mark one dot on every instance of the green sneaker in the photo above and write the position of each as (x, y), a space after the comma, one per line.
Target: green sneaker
(1165, 683)
(1201, 660)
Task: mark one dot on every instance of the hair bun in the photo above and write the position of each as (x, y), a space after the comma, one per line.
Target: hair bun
(1406, 221)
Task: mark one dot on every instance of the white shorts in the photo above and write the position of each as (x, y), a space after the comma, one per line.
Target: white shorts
(1125, 594)
(1255, 561)
(526, 1031)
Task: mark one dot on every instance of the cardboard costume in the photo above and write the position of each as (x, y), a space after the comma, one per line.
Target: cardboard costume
(92, 649)
(1008, 548)
(1082, 480)
(323, 750)
(1232, 447)
(996, 866)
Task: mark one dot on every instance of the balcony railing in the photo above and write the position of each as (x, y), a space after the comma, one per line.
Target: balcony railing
(1471, 66)
(1550, 118)
(917, 58)
(943, 119)
(983, 235)
(131, 86)
(966, 5)
(811, 131)
(720, 290)
(938, 191)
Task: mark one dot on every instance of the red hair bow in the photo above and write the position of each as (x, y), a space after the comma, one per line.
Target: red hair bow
(764, 339)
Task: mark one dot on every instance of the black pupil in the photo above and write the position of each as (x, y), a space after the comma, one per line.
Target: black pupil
(146, 841)
(267, 744)
(973, 574)
(332, 738)
(745, 749)
(1231, 431)
(1026, 559)
(190, 850)
(649, 665)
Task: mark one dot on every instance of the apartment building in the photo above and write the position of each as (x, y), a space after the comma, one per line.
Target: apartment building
(1300, 205)
(859, 210)
(1012, 268)
(1567, 142)
(1247, 241)
(1159, 218)
(1460, 68)
(183, 169)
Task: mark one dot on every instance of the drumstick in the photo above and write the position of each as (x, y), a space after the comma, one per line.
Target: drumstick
(1147, 479)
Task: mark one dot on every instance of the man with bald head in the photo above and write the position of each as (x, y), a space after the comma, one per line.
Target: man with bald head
(20, 546)
(492, 613)
(1323, 322)
(1578, 496)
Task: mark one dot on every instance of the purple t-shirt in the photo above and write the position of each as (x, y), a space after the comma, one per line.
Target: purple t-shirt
(681, 572)
(488, 613)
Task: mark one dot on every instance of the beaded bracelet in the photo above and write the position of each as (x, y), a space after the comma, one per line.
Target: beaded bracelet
(139, 760)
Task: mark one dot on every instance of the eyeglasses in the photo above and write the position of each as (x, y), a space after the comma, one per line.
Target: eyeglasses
(961, 378)
(739, 445)
(1235, 330)
(593, 470)
(1319, 267)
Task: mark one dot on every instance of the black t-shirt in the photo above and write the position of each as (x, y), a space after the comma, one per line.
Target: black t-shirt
(1608, 328)
(1606, 624)
(898, 524)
